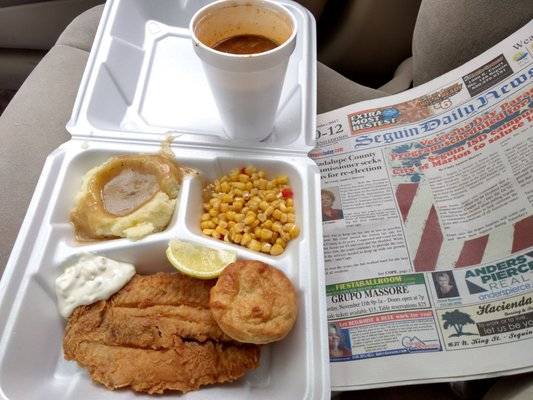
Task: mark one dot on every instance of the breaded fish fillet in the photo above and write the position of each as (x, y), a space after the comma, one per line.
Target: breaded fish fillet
(156, 333)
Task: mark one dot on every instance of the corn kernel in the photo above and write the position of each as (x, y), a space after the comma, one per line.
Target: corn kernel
(282, 180)
(281, 242)
(254, 245)
(225, 187)
(263, 205)
(239, 227)
(277, 226)
(269, 211)
(266, 234)
(227, 198)
(215, 202)
(270, 196)
(294, 232)
(250, 213)
(285, 236)
(249, 219)
(221, 230)
(267, 224)
(246, 238)
(238, 185)
(276, 250)
(265, 247)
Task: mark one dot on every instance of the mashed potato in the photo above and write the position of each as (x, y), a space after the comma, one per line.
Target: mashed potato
(128, 196)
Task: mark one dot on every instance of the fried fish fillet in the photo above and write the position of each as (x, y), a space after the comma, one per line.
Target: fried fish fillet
(157, 333)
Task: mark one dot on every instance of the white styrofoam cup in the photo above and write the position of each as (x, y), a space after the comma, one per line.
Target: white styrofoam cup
(246, 87)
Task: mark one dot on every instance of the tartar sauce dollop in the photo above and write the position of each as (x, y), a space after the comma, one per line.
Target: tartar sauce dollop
(90, 279)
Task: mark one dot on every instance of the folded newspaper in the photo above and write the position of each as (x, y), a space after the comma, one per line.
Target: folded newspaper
(427, 208)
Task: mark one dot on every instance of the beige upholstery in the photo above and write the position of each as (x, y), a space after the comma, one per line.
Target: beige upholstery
(450, 32)
(365, 40)
(30, 28)
(33, 124)
(335, 91)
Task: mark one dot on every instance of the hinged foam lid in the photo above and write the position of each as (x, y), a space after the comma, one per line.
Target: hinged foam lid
(143, 82)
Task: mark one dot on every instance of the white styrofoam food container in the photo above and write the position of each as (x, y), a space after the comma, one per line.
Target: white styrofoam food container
(142, 85)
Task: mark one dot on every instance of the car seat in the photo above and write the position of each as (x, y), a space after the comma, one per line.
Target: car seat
(447, 33)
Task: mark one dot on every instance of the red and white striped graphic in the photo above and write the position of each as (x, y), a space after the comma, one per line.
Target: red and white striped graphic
(431, 251)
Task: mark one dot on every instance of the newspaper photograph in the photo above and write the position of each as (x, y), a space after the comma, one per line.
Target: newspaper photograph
(427, 210)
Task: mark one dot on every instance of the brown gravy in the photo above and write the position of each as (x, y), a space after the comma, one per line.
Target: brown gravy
(128, 191)
(245, 44)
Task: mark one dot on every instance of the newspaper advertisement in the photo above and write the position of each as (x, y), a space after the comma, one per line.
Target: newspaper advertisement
(427, 209)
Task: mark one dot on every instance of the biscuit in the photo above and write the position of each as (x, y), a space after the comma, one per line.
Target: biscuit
(254, 302)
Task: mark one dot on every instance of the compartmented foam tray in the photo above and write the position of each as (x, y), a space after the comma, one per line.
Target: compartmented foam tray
(128, 103)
